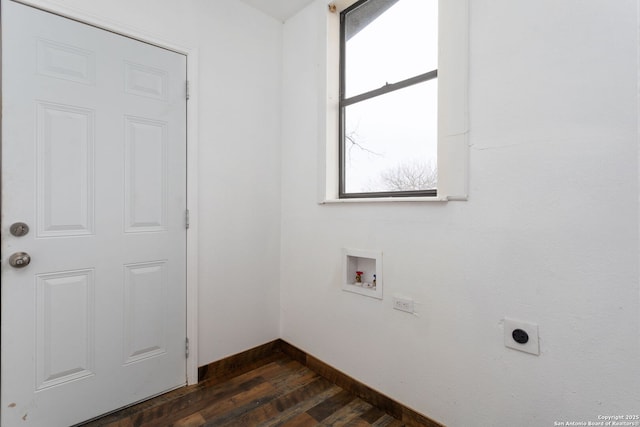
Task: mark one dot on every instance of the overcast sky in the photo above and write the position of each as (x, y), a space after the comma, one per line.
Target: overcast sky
(400, 126)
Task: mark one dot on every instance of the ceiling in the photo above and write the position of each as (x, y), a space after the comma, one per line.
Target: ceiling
(279, 9)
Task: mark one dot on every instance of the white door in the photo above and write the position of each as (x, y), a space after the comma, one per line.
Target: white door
(94, 162)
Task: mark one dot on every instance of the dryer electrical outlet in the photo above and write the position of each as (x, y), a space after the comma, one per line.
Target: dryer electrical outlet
(521, 336)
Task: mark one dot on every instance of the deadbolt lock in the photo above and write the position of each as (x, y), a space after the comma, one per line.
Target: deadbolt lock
(19, 229)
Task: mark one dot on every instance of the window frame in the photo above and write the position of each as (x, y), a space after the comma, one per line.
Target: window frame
(453, 105)
(343, 103)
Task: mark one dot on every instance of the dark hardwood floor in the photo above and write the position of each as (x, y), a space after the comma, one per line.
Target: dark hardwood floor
(277, 391)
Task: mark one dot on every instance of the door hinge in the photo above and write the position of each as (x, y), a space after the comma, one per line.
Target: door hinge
(186, 219)
(187, 94)
(186, 348)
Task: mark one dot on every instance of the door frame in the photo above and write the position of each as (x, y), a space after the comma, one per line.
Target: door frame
(192, 155)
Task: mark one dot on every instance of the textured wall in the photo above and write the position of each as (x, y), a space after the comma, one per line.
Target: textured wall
(548, 235)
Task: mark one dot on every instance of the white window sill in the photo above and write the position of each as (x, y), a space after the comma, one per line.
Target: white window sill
(385, 200)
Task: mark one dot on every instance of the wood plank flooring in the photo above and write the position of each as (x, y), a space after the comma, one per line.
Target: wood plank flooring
(279, 391)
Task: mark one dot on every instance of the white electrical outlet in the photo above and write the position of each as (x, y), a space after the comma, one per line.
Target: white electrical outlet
(521, 336)
(403, 304)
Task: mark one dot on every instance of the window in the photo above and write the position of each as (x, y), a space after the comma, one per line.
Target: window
(451, 155)
(388, 99)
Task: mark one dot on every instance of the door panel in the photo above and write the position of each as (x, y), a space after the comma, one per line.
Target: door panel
(65, 170)
(145, 175)
(65, 313)
(145, 310)
(94, 161)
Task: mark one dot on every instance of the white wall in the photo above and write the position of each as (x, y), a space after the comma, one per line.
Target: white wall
(239, 92)
(549, 234)
(240, 116)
